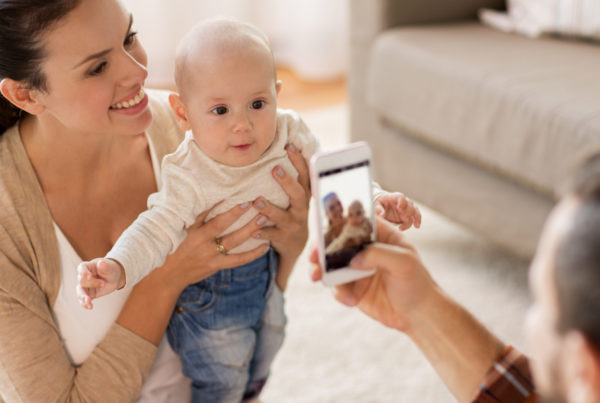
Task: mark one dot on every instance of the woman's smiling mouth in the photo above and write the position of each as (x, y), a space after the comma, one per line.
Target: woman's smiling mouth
(131, 102)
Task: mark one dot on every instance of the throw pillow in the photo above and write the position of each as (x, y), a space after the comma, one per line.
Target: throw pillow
(580, 18)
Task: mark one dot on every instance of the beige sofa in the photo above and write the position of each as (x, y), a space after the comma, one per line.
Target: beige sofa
(477, 124)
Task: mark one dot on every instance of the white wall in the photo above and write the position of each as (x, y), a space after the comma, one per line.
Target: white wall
(310, 36)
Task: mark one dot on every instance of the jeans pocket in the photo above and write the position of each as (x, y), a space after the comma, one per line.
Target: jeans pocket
(198, 297)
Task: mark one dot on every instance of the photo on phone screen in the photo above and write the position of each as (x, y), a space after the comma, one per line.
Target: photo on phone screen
(347, 220)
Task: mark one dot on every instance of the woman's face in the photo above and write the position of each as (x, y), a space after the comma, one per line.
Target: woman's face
(334, 209)
(95, 70)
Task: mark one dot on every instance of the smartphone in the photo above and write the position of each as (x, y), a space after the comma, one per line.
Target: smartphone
(341, 186)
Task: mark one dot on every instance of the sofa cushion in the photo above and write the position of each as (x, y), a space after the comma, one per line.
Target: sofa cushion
(527, 108)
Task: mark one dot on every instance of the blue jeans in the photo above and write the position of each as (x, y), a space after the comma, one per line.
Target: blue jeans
(227, 329)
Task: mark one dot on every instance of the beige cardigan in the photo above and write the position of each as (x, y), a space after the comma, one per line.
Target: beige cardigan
(34, 366)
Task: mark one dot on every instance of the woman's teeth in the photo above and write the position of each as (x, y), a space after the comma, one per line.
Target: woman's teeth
(132, 102)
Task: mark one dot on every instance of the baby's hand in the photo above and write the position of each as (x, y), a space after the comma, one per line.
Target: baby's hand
(397, 208)
(97, 278)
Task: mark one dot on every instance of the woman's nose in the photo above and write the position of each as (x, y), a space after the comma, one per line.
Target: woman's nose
(134, 71)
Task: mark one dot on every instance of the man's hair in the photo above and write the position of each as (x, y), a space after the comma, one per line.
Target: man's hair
(577, 260)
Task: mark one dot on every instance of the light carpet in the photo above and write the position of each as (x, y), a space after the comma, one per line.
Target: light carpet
(336, 354)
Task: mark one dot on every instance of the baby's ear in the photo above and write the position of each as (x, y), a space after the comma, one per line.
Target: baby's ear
(179, 111)
(278, 85)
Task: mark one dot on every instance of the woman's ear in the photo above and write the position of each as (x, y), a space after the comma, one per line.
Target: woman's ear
(179, 111)
(21, 96)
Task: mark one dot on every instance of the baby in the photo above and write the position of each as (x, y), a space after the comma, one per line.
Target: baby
(228, 327)
(356, 231)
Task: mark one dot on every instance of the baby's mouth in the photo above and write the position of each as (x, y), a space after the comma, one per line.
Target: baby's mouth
(131, 102)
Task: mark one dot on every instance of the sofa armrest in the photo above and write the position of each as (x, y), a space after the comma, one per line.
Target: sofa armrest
(369, 17)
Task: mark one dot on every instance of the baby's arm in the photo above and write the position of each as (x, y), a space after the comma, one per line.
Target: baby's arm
(394, 207)
(145, 244)
(97, 278)
(398, 209)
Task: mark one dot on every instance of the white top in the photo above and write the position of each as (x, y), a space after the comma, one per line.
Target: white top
(193, 182)
(81, 329)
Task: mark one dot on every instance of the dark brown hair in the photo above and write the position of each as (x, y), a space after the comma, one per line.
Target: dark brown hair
(22, 25)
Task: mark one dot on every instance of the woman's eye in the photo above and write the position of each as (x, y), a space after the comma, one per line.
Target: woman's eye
(258, 104)
(98, 69)
(130, 38)
(219, 110)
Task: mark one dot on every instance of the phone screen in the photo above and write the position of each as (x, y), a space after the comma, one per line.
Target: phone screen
(347, 219)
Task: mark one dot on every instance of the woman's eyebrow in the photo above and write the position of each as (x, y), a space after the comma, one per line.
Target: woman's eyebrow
(93, 56)
(104, 52)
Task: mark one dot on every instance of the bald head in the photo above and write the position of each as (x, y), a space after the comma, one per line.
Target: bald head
(216, 41)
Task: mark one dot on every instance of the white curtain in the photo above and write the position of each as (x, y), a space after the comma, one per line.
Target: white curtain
(309, 36)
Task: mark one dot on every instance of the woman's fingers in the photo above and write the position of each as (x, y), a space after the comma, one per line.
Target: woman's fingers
(297, 192)
(238, 237)
(237, 259)
(280, 217)
(301, 166)
(219, 223)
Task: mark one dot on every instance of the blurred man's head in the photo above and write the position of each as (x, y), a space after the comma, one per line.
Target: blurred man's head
(564, 320)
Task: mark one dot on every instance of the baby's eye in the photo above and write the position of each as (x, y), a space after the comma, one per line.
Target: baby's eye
(220, 110)
(258, 104)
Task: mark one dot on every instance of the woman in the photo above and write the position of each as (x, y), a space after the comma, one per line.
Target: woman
(80, 148)
(335, 216)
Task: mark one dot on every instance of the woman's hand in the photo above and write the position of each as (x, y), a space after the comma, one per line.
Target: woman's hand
(290, 232)
(399, 286)
(198, 255)
(195, 259)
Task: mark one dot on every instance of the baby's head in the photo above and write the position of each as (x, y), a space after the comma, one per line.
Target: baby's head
(356, 213)
(225, 74)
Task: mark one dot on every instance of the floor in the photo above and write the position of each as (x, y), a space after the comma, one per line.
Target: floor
(303, 95)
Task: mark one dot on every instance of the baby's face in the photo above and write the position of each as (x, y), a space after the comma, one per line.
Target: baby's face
(356, 216)
(231, 105)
